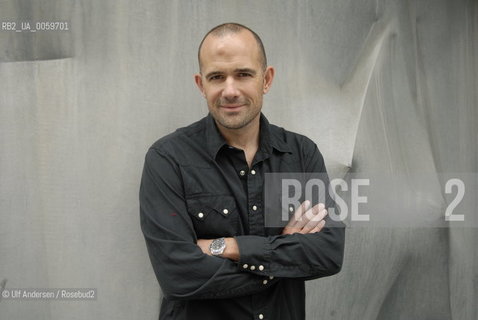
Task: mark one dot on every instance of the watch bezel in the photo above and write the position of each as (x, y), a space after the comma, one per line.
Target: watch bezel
(217, 246)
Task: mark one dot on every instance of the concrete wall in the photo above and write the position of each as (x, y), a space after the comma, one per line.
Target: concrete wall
(385, 85)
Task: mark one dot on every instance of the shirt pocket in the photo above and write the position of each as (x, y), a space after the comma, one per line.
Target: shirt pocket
(214, 216)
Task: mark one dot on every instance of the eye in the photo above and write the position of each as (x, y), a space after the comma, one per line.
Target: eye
(244, 74)
(215, 77)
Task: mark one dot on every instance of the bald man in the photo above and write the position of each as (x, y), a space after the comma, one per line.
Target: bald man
(202, 199)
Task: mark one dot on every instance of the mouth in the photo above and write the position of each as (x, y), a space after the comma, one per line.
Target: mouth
(232, 107)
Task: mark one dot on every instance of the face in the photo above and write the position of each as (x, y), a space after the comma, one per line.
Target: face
(232, 79)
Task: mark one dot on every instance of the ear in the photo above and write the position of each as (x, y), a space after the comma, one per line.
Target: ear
(268, 77)
(198, 80)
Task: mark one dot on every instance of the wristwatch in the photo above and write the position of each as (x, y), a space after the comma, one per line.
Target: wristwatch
(217, 246)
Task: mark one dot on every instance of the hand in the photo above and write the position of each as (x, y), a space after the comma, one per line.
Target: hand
(306, 220)
(231, 252)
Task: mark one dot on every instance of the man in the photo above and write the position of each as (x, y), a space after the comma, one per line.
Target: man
(201, 196)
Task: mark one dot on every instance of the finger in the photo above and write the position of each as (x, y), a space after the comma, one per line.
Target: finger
(298, 214)
(309, 215)
(316, 213)
(319, 227)
(291, 230)
(314, 222)
(320, 215)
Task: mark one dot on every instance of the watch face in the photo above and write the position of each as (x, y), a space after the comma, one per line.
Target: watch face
(217, 246)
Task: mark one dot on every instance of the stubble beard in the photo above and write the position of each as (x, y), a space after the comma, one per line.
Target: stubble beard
(236, 121)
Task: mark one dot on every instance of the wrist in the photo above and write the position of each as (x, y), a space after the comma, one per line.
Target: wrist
(232, 249)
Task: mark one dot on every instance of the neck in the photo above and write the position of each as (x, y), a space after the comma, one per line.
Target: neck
(245, 138)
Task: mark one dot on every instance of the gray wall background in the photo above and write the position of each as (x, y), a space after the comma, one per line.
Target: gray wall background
(379, 85)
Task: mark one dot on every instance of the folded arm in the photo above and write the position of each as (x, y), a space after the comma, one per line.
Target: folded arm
(182, 269)
(307, 248)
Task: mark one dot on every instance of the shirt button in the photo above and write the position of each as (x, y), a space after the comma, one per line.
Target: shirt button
(245, 266)
(254, 208)
(242, 172)
(200, 215)
(271, 277)
(264, 282)
(253, 172)
(253, 268)
(225, 211)
(261, 316)
(261, 267)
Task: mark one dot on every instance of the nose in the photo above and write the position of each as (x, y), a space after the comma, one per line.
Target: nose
(230, 91)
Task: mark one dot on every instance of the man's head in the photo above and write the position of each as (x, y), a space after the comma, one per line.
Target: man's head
(233, 75)
(234, 28)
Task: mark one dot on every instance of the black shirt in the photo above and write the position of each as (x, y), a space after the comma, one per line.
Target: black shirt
(195, 186)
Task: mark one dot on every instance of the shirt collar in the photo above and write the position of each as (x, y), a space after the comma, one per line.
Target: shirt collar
(270, 137)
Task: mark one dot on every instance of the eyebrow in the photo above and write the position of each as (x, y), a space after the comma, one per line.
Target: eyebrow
(239, 70)
(246, 70)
